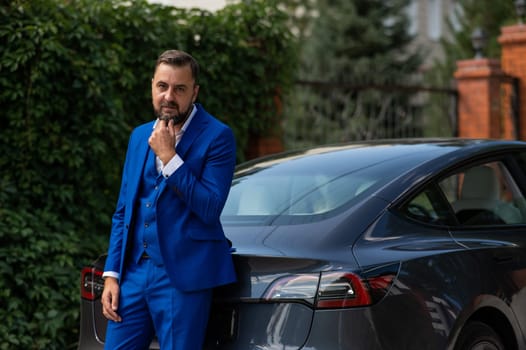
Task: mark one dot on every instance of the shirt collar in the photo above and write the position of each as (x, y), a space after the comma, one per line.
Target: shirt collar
(187, 122)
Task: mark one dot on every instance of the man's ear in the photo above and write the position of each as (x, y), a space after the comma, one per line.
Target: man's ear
(196, 92)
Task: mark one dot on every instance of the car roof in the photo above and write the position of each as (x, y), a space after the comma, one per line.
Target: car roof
(443, 150)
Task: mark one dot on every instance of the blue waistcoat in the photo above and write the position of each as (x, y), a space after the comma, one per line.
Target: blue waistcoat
(145, 239)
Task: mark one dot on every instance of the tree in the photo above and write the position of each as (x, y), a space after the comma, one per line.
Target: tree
(360, 43)
(352, 39)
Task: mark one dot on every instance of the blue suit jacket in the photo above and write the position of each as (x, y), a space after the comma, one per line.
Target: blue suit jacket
(195, 251)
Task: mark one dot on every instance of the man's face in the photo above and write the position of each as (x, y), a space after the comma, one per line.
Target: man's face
(173, 92)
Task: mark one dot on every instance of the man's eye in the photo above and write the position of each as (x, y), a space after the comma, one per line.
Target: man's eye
(180, 89)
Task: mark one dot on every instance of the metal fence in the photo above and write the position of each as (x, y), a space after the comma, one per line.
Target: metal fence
(324, 113)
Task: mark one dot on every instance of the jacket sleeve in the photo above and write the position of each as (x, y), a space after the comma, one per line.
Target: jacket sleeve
(204, 185)
(113, 261)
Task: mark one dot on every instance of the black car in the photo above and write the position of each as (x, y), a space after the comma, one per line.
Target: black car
(400, 244)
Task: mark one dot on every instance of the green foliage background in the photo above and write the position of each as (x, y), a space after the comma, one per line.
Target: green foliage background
(359, 42)
(74, 80)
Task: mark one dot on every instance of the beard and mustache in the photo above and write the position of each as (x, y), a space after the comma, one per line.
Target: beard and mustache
(178, 118)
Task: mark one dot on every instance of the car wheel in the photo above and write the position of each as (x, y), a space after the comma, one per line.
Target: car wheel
(479, 336)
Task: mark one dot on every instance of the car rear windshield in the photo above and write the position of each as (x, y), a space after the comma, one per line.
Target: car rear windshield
(307, 189)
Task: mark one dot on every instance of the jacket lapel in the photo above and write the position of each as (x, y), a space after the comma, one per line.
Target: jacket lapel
(139, 155)
(195, 128)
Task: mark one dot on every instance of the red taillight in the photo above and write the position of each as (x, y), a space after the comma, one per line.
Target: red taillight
(330, 290)
(342, 290)
(91, 283)
(301, 287)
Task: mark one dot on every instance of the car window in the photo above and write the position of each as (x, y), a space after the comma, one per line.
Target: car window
(292, 195)
(293, 198)
(520, 157)
(429, 206)
(301, 191)
(485, 194)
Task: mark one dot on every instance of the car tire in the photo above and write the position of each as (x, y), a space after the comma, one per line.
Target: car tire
(479, 336)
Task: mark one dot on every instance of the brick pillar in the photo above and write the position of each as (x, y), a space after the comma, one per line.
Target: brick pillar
(269, 141)
(513, 42)
(259, 146)
(479, 105)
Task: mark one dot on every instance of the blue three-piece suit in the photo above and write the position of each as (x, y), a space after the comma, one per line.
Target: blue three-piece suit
(166, 235)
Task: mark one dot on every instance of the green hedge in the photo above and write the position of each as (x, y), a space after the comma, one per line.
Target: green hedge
(74, 81)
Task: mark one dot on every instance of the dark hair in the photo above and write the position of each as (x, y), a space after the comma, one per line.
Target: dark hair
(179, 59)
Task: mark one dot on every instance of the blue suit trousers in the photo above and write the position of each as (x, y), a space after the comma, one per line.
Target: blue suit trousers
(150, 305)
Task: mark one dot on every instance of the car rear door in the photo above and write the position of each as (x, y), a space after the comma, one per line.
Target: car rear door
(489, 204)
